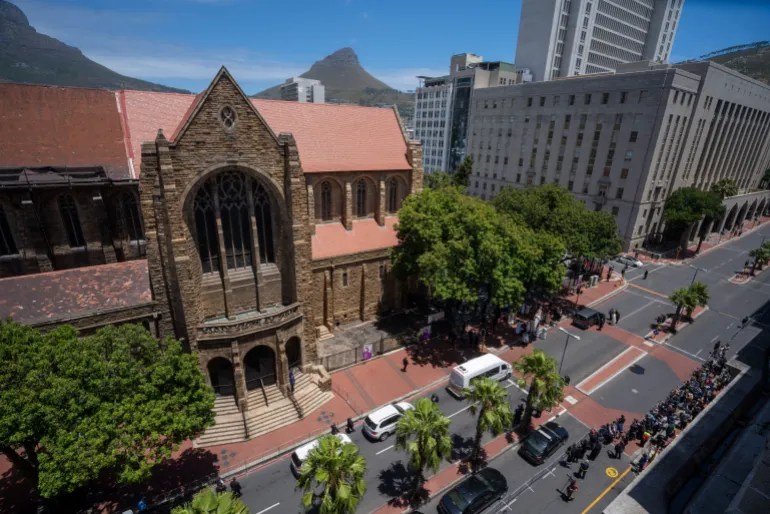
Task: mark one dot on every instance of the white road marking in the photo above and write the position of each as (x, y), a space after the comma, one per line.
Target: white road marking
(696, 353)
(386, 449)
(648, 343)
(550, 473)
(570, 400)
(640, 309)
(608, 364)
(270, 507)
(694, 356)
(634, 391)
(459, 411)
(509, 503)
(714, 339)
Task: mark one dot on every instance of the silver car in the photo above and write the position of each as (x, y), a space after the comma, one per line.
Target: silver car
(629, 260)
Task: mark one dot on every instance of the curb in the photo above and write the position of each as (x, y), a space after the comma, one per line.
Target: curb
(614, 292)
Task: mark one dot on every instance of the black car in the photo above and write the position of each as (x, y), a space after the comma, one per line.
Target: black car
(475, 493)
(586, 318)
(543, 442)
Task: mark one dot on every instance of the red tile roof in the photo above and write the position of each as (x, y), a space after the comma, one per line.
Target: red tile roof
(332, 240)
(339, 137)
(78, 292)
(61, 126)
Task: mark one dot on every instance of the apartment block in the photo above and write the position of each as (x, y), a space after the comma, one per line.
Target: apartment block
(300, 89)
(621, 142)
(562, 38)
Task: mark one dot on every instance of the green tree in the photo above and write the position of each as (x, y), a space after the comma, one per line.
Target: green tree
(760, 255)
(699, 293)
(552, 209)
(334, 474)
(688, 205)
(540, 375)
(490, 400)
(725, 188)
(462, 175)
(73, 407)
(438, 180)
(206, 501)
(424, 433)
(682, 298)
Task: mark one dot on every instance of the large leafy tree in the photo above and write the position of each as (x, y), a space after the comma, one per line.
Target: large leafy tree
(424, 433)
(687, 205)
(725, 188)
(73, 407)
(489, 400)
(552, 209)
(540, 375)
(462, 175)
(333, 477)
(207, 501)
(438, 180)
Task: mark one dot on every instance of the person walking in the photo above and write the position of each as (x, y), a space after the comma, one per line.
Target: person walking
(405, 362)
(571, 488)
(292, 380)
(235, 487)
(623, 272)
(646, 272)
(595, 450)
(619, 447)
(335, 430)
(601, 322)
(583, 469)
(517, 414)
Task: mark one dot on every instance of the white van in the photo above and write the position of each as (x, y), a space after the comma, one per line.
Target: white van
(301, 453)
(490, 366)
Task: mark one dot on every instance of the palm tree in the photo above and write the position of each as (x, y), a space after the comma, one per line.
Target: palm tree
(207, 501)
(546, 386)
(424, 433)
(681, 298)
(490, 400)
(334, 473)
(760, 256)
(699, 296)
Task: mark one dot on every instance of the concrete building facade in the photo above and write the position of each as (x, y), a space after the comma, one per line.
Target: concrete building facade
(622, 142)
(299, 89)
(562, 38)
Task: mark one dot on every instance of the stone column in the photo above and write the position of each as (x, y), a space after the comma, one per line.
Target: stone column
(362, 301)
(311, 209)
(281, 364)
(379, 213)
(239, 377)
(347, 213)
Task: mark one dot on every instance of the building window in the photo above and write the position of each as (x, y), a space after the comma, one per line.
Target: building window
(605, 98)
(326, 201)
(233, 199)
(382, 271)
(392, 192)
(572, 99)
(542, 101)
(619, 193)
(607, 170)
(624, 173)
(633, 137)
(529, 102)
(615, 211)
(71, 221)
(629, 155)
(7, 244)
(206, 230)
(518, 178)
(642, 95)
(571, 185)
(587, 99)
(129, 216)
(345, 279)
(227, 117)
(623, 96)
(361, 198)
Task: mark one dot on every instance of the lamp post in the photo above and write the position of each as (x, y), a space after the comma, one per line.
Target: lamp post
(697, 269)
(564, 353)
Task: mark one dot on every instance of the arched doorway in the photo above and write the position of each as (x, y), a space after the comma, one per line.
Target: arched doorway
(222, 377)
(731, 218)
(761, 208)
(752, 210)
(741, 215)
(294, 352)
(260, 367)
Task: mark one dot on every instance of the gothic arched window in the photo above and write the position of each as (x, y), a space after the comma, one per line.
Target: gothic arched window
(361, 198)
(232, 193)
(129, 216)
(206, 229)
(326, 201)
(7, 245)
(392, 192)
(264, 224)
(71, 221)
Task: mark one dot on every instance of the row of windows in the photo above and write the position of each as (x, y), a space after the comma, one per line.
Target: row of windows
(621, 97)
(642, 23)
(621, 28)
(421, 95)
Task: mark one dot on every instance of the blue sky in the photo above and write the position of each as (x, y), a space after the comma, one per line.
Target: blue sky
(182, 43)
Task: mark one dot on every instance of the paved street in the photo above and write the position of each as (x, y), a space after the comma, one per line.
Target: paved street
(645, 376)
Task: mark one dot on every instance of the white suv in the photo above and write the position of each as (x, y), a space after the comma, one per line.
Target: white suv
(381, 423)
(629, 260)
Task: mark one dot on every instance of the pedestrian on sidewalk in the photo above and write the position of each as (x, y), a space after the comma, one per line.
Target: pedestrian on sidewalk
(595, 450)
(235, 487)
(572, 453)
(517, 414)
(601, 322)
(335, 430)
(583, 469)
(349, 426)
(623, 272)
(434, 398)
(646, 272)
(405, 362)
(609, 273)
(292, 380)
(620, 446)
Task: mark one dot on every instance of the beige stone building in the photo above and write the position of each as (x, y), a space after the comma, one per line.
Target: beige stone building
(622, 142)
(248, 228)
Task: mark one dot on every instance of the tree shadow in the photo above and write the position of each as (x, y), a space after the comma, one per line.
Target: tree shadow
(403, 485)
(462, 447)
(438, 353)
(637, 369)
(15, 492)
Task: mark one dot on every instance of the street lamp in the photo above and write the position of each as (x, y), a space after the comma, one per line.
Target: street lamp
(564, 353)
(697, 269)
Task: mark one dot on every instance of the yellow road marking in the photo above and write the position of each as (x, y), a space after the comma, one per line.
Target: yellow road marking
(648, 290)
(611, 472)
(611, 486)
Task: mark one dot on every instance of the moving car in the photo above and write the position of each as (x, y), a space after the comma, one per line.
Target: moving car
(300, 454)
(543, 442)
(381, 423)
(586, 318)
(475, 493)
(487, 365)
(629, 260)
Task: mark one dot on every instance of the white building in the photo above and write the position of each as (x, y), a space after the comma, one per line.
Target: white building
(561, 38)
(299, 89)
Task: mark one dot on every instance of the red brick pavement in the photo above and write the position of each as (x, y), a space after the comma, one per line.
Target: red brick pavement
(610, 370)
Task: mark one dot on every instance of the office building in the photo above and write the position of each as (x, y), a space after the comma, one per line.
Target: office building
(561, 38)
(299, 89)
(442, 105)
(621, 142)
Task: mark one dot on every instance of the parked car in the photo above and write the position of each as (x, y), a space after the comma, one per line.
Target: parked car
(381, 423)
(300, 454)
(585, 318)
(543, 442)
(475, 493)
(629, 260)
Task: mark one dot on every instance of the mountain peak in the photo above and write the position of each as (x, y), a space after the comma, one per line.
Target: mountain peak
(342, 57)
(10, 13)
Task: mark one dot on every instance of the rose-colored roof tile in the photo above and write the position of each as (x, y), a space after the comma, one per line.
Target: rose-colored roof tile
(61, 126)
(332, 240)
(333, 137)
(78, 292)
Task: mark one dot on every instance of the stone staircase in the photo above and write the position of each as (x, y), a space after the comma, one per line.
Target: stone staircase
(229, 426)
(323, 333)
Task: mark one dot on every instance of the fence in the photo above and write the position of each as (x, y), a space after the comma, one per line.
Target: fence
(357, 354)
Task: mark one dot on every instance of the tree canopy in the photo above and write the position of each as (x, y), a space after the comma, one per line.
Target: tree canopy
(206, 501)
(119, 400)
(546, 386)
(458, 244)
(553, 210)
(462, 175)
(687, 205)
(490, 400)
(725, 188)
(424, 433)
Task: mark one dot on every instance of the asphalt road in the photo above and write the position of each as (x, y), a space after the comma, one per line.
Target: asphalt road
(271, 487)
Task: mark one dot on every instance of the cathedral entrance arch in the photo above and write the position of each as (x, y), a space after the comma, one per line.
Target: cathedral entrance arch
(221, 376)
(259, 364)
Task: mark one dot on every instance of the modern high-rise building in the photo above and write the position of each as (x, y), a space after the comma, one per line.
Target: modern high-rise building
(561, 38)
(622, 142)
(299, 89)
(442, 105)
